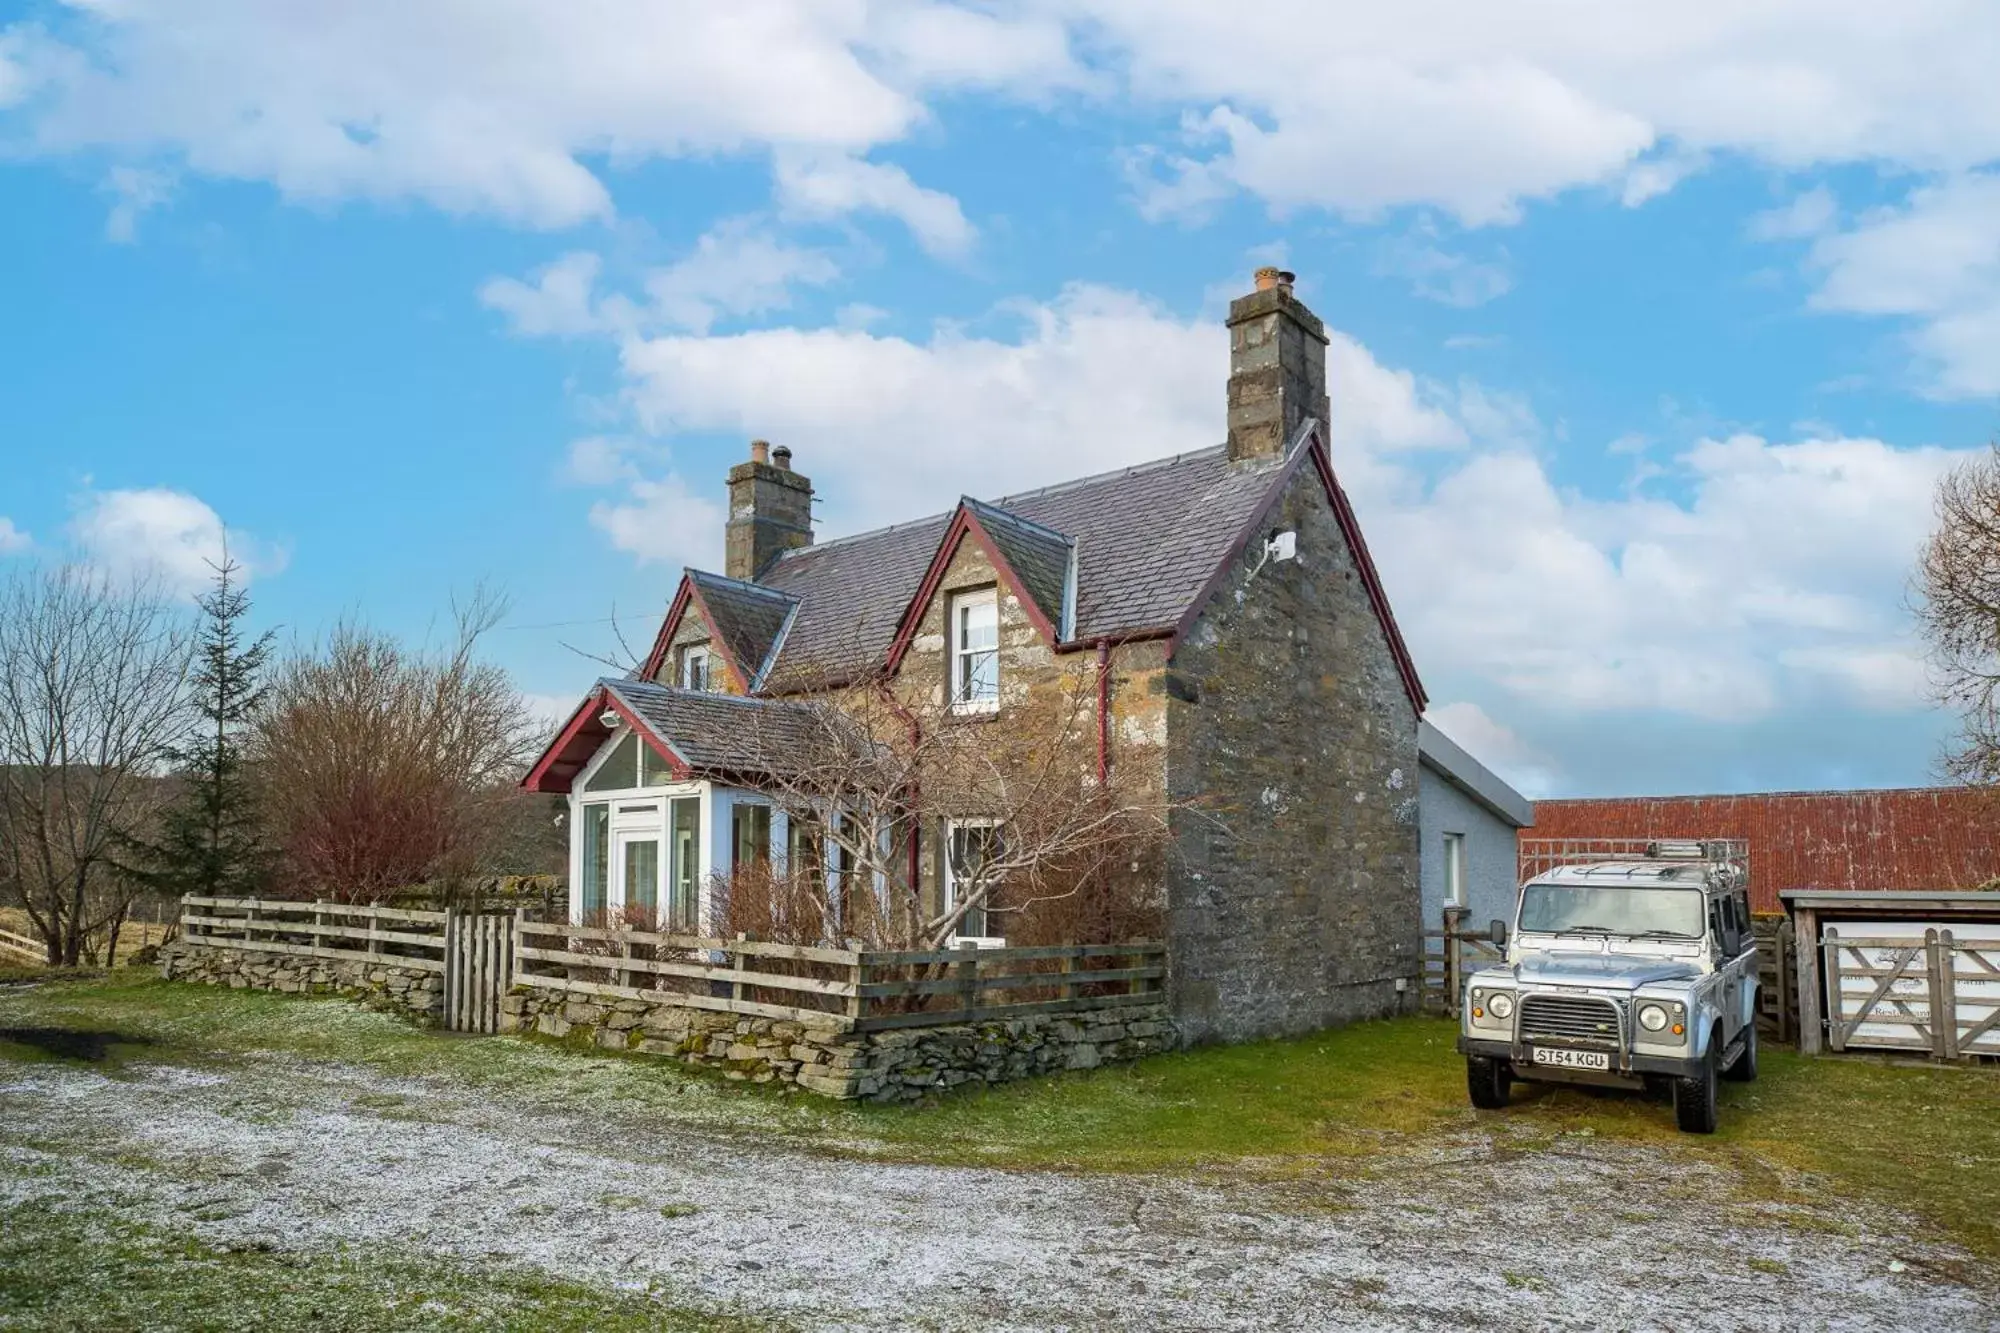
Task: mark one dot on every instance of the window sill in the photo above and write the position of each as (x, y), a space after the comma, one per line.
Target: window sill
(975, 712)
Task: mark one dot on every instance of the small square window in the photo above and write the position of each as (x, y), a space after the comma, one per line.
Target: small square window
(975, 651)
(694, 668)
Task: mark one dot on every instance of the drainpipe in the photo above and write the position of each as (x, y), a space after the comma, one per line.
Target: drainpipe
(915, 797)
(1103, 711)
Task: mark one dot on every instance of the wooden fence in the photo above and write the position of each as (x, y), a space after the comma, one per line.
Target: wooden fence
(1450, 956)
(1936, 995)
(12, 945)
(473, 951)
(855, 990)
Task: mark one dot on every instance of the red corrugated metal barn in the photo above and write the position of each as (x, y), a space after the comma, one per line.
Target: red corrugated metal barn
(1908, 838)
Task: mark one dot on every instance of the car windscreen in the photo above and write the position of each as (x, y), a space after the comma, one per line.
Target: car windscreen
(1602, 910)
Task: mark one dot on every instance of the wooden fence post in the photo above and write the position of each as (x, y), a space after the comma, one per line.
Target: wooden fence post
(1787, 982)
(1067, 965)
(736, 965)
(1454, 962)
(1946, 1016)
(858, 970)
(1805, 941)
(1836, 1002)
(968, 977)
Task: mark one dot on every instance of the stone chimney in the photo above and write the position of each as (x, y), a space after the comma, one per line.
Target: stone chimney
(770, 511)
(1277, 368)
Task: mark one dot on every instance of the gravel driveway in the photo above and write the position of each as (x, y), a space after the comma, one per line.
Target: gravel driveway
(1588, 1235)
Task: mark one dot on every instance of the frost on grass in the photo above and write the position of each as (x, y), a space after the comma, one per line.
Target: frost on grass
(585, 1180)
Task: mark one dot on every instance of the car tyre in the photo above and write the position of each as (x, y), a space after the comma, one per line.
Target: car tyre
(1489, 1081)
(1743, 1069)
(1695, 1110)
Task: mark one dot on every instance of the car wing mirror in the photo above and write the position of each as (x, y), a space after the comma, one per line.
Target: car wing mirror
(1497, 932)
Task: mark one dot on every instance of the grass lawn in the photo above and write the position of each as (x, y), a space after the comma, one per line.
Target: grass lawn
(61, 1269)
(1923, 1139)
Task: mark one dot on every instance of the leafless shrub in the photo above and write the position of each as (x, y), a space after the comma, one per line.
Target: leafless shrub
(867, 769)
(1958, 609)
(384, 766)
(93, 696)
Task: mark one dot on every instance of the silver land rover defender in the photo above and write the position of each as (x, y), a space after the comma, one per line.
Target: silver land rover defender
(1627, 971)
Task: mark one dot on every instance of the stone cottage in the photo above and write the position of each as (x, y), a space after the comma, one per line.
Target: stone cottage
(1221, 604)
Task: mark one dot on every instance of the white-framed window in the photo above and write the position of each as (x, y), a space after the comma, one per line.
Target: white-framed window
(1454, 869)
(975, 651)
(969, 845)
(694, 667)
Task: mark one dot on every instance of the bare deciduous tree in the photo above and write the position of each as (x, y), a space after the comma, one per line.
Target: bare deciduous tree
(859, 768)
(93, 698)
(1958, 587)
(383, 767)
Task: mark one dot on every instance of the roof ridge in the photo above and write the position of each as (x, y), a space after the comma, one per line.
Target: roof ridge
(744, 584)
(1005, 501)
(1024, 521)
(653, 686)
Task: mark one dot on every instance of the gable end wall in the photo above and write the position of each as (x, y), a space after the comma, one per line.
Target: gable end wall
(1294, 901)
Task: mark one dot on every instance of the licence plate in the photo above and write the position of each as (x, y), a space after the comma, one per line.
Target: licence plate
(1544, 1055)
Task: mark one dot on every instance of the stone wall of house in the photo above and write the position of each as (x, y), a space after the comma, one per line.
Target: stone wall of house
(898, 1065)
(1037, 688)
(375, 980)
(694, 629)
(1293, 900)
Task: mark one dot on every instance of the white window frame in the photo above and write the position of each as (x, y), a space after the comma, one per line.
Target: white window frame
(960, 657)
(950, 880)
(689, 657)
(1455, 893)
(627, 819)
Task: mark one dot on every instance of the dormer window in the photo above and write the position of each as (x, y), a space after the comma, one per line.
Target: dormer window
(694, 667)
(975, 651)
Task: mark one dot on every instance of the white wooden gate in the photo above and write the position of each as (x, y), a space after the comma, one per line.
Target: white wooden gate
(478, 968)
(1903, 986)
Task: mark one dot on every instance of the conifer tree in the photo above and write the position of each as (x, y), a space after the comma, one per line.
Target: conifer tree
(210, 841)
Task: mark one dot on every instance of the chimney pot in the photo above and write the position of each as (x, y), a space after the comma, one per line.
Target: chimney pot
(760, 451)
(782, 457)
(1267, 277)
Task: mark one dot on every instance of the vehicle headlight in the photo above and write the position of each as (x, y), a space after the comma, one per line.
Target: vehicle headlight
(1501, 1004)
(1652, 1017)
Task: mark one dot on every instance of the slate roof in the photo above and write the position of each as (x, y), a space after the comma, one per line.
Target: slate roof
(1147, 539)
(747, 617)
(720, 733)
(1040, 556)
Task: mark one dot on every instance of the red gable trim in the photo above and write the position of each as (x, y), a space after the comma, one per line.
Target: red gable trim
(1371, 579)
(664, 639)
(580, 737)
(1350, 529)
(963, 524)
(690, 591)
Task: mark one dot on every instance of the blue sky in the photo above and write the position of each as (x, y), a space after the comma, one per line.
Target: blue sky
(1653, 331)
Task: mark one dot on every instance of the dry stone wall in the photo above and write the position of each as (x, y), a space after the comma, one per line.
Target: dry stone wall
(897, 1065)
(375, 980)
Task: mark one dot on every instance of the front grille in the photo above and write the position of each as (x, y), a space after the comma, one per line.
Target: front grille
(1577, 1020)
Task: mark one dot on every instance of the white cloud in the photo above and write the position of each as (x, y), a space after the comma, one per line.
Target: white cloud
(1809, 214)
(1475, 108)
(1935, 261)
(735, 268)
(515, 109)
(1525, 768)
(12, 539)
(1437, 274)
(660, 520)
(165, 534)
(1747, 572)
(495, 107)
(824, 185)
(136, 191)
(560, 302)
